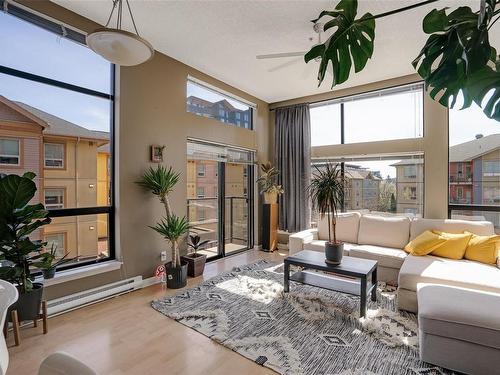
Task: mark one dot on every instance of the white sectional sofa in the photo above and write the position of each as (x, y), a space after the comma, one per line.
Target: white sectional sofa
(383, 238)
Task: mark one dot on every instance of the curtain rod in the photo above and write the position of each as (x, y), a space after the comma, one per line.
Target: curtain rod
(348, 96)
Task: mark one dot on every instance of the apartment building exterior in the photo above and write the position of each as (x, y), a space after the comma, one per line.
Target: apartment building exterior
(221, 110)
(410, 186)
(363, 187)
(72, 168)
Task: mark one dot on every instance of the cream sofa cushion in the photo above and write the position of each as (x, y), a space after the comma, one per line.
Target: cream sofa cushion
(482, 228)
(461, 273)
(384, 231)
(347, 227)
(385, 256)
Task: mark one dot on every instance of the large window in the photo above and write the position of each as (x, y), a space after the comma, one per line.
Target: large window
(474, 169)
(395, 113)
(57, 97)
(205, 100)
(380, 184)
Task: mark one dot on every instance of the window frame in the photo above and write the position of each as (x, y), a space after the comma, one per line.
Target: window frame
(78, 37)
(19, 156)
(63, 160)
(201, 170)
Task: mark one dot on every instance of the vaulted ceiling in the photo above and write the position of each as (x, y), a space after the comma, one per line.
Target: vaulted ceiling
(222, 38)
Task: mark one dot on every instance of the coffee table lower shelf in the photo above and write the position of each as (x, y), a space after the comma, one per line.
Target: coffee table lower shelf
(337, 284)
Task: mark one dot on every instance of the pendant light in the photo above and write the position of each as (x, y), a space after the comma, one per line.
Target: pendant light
(119, 46)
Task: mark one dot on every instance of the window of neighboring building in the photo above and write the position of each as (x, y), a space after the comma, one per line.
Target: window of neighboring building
(200, 192)
(410, 171)
(54, 155)
(200, 170)
(47, 70)
(218, 104)
(201, 214)
(491, 168)
(491, 195)
(10, 151)
(59, 241)
(54, 198)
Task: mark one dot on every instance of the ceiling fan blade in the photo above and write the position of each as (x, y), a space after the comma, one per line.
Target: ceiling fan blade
(285, 64)
(279, 55)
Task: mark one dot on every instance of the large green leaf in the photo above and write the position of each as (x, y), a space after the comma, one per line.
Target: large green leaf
(485, 83)
(350, 44)
(15, 193)
(456, 50)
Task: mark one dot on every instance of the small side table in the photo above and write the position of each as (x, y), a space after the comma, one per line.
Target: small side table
(16, 326)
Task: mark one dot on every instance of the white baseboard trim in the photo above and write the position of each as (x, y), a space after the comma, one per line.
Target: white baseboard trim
(150, 281)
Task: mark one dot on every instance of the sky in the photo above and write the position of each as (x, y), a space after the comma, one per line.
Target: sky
(40, 52)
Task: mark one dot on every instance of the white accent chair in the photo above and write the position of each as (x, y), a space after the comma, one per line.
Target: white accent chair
(58, 363)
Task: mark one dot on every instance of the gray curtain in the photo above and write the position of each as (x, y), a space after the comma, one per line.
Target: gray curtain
(292, 150)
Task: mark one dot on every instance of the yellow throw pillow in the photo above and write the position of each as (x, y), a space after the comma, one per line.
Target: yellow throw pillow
(424, 243)
(483, 249)
(454, 246)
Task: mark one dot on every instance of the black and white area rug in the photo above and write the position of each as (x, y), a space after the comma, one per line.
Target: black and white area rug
(307, 331)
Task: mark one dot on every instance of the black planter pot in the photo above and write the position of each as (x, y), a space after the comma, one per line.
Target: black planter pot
(28, 304)
(49, 273)
(176, 277)
(334, 252)
(196, 264)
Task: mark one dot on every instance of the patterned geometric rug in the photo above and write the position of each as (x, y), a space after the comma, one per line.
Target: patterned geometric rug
(307, 331)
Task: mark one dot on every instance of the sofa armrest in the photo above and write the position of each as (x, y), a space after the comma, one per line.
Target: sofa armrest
(297, 240)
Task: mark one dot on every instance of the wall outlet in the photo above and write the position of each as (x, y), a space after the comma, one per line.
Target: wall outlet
(163, 256)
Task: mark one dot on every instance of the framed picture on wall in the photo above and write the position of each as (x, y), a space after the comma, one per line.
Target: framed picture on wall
(157, 153)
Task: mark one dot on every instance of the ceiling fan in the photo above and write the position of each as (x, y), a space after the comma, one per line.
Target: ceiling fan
(318, 29)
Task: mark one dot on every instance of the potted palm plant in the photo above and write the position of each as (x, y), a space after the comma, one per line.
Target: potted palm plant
(327, 195)
(196, 262)
(173, 228)
(49, 262)
(160, 181)
(18, 252)
(268, 183)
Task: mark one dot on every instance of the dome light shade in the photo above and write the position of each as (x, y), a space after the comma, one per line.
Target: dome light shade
(120, 47)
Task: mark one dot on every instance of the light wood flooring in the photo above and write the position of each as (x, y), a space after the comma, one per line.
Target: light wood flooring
(124, 335)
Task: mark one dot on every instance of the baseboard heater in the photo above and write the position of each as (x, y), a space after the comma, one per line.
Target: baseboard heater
(87, 297)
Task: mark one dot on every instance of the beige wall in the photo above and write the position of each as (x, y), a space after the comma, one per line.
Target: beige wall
(152, 110)
(434, 144)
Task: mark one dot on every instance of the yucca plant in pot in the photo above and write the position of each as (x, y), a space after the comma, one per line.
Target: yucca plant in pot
(327, 195)
(18, 252)
(160, 181)
(173, 228)
(196, 262)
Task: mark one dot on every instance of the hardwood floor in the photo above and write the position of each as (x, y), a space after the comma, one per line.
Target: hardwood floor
(125, 335)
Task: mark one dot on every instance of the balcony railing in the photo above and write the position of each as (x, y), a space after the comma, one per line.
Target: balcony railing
(236, 228)
(460, 179)
(476, 212)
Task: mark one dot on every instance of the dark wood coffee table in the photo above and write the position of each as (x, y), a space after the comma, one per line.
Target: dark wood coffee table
(353, 276)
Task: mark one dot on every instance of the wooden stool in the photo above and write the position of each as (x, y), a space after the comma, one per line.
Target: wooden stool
(16, 326)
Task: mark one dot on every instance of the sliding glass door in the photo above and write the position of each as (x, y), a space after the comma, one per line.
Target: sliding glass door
(219, 197)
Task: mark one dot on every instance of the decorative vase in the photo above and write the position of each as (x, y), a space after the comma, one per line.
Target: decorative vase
(270, 197)
(49, 273)
(334, 252)
(196, 264)
(176, 276)
(28, 304)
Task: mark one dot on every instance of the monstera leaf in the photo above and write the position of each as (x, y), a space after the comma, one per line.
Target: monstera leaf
(350, 44)
(456, 55)
(486, 82)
